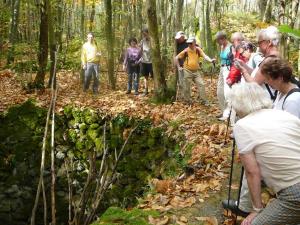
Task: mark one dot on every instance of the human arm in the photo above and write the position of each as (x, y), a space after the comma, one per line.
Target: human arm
(206, 57)
(125, 60)
(83, 57)
(176, 59)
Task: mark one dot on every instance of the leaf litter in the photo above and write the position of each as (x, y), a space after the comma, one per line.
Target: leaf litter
(194, 124)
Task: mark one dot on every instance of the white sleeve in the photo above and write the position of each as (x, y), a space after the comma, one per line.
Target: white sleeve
(292, 106)
(244, 140)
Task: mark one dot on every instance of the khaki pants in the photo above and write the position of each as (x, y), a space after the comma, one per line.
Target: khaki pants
(222, 91)
(197, 78)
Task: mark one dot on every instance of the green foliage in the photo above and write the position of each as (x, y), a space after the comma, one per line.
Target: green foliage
(286, 29)
(115, 215)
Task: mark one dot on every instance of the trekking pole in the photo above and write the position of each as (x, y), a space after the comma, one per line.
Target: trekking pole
(240, 189)
(231, 171)
(227, 125)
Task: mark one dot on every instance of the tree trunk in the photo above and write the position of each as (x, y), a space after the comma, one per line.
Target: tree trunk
(159, 77)
(262, 8)
(43, 45)
(203, 26)
(59, 24)
(179, 12)
(13, 31)
(295, 12)
(209, 42)
(82, 19)
(92, 17)
(52, 41)
(110, 38)
(268, 12)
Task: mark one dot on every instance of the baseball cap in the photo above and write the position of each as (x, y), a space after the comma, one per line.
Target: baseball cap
(191, 39)
(179, 34)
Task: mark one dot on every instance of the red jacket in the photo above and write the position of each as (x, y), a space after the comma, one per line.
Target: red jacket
(235, 75)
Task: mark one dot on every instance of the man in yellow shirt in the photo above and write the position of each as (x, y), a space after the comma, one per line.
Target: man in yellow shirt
(191, 56)
(90, 63)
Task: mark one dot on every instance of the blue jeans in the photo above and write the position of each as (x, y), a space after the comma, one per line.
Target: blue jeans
(133, 77)
(92, 70)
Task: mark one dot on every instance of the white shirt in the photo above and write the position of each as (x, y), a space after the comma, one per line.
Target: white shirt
(291, 104)
(274, 136)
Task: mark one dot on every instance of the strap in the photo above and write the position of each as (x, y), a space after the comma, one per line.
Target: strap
(289, 93)
(273, 96)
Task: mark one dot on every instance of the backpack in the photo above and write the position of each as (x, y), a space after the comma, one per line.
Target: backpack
(289, 93)
(186, 57)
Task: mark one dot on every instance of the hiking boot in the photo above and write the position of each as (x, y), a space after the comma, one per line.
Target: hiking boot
(232, 206)
(128, 92)
(136, 93)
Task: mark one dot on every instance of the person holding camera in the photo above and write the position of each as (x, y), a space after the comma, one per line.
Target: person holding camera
(90, 57)
(131, 64)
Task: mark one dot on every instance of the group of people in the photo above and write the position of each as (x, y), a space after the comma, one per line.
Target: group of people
(260, 88)
(137, 60)
(257, 86)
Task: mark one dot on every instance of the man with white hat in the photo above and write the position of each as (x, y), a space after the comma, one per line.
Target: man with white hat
(180, 46)
(191, 69)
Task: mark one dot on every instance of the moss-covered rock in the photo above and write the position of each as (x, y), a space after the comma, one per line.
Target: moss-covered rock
(115, 215)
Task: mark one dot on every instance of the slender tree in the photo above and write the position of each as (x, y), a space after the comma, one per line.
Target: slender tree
(110, 40)
(13, 30)
(43, 44)
(159, 76)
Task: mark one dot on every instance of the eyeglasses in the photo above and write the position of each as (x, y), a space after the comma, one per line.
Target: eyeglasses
(261, 41)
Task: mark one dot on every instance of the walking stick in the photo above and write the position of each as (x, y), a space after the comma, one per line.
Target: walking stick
(231, 171)
(227, 125)
(240, 189)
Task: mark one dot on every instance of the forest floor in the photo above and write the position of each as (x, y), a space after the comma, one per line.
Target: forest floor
(187, 198)
(193, 197)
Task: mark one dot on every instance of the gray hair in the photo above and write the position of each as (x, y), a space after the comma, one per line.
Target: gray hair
(221, 35)
(270, 33)
(237, 35)
(249, 97)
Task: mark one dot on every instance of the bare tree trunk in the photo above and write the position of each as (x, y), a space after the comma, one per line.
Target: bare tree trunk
(295, 8)
(13, 30)
(43, 45)
(52, 41)
(92, 17)
(281, 12)
(159, 77)
(208, 30)
(267, 14)
(203, 25)
(179, 12)
(110, 38)
(82, 19)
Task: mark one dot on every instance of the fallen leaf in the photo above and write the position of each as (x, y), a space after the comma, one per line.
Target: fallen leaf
(158, 221)
(211, 220)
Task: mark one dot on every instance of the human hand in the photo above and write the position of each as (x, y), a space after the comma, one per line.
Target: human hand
(180, 68)
(124, 68)
(229, 82)
(248, 220)
(213, 60)
(84, 67)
